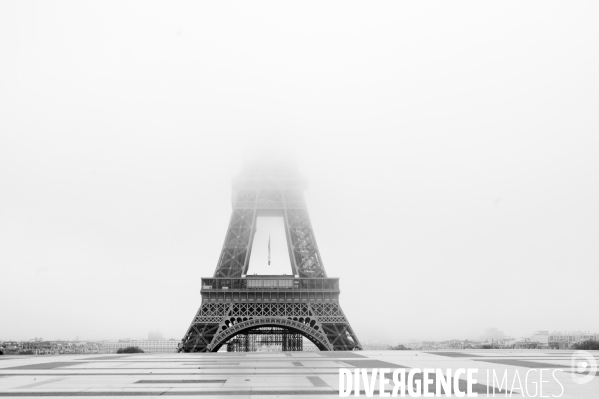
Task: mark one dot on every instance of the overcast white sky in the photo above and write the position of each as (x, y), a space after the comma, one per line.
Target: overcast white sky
(451, 149)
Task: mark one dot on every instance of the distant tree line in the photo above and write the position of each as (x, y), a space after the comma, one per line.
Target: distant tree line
(399, 348)
(587, 345)
(130, 349)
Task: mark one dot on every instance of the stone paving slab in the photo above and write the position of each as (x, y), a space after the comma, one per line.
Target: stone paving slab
(44, 366)
(254, 375)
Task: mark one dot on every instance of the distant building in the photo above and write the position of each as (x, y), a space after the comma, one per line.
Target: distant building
(541, 337)
(413, 344)
(376, 347)
(38, 346)
(526, 344)
(148, 346)
(10, 347)
(157, 346)
(113, 346)
(565, 339)
(492, 334)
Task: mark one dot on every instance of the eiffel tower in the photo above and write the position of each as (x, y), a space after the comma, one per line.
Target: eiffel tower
(235, 305)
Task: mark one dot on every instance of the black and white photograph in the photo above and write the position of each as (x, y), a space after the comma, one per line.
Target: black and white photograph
(272, 199)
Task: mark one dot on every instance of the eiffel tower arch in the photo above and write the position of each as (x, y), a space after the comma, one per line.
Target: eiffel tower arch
(304, 303)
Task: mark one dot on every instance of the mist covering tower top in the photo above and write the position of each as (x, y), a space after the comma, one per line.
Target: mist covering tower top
(269, 174)
(269, 187)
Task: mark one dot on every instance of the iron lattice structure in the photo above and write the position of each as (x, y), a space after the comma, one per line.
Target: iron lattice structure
(270, 336)
(236, 306)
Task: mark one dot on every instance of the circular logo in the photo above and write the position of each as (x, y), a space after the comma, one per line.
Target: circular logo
(584, 367)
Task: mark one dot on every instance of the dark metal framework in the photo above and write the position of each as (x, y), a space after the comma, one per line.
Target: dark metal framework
(249, 341)
(235, 305)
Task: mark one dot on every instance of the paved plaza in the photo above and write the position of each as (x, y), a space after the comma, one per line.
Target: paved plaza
(272, 374)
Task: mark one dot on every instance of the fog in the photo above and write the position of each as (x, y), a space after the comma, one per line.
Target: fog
(269, 248)
(450, 148)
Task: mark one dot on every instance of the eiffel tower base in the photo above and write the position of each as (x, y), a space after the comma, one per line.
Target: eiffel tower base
(324, 324)
(305, 302)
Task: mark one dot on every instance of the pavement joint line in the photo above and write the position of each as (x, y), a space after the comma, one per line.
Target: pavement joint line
(172, 374)
(263, 375)
(207, 368)
(180, 381)
(36, 384)
(171, 392)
